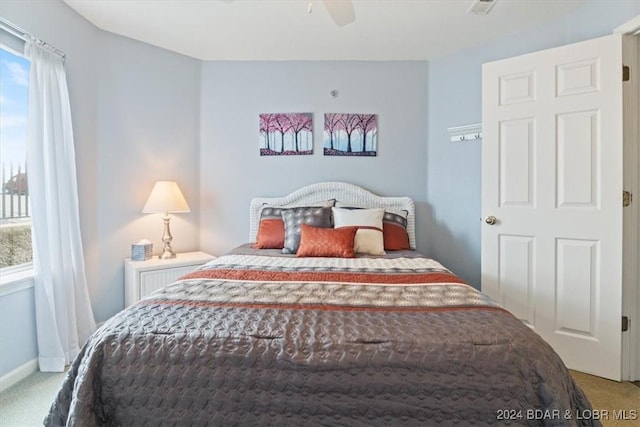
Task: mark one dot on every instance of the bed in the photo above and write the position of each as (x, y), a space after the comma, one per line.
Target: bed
(262, 337)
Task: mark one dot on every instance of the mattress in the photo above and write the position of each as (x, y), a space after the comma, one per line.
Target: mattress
(259, 338)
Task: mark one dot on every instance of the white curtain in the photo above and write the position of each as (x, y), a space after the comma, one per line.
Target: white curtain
(64, 319)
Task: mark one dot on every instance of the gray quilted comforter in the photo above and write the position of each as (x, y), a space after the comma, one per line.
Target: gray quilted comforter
(259, 340)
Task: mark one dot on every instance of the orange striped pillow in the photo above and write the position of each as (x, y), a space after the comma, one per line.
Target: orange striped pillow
(326, 242)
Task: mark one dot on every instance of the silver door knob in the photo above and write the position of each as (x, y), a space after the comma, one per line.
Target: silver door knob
(490, 220)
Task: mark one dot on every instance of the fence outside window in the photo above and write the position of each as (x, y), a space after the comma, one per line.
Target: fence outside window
(15, 217)
(15, 192)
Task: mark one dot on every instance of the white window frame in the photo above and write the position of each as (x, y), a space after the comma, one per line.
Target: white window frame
(15, 278)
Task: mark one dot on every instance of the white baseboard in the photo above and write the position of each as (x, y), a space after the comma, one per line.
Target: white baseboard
(18, 374)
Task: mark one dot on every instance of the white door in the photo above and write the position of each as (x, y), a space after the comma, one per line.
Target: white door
(552, 177)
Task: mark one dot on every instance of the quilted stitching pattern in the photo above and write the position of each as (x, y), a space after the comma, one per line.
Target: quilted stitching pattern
(171, 361)
(452, 295)
(180, 365)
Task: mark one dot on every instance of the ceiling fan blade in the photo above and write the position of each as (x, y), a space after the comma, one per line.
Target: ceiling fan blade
(341, 11)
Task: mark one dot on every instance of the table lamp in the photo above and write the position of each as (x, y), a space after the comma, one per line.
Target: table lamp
(166, 198)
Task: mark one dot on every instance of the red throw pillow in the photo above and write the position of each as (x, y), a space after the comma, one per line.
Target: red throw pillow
(270, 234)
(394, 230)
(395, 237)
(326, 242)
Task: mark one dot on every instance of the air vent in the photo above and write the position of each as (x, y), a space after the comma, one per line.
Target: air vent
(481, 7)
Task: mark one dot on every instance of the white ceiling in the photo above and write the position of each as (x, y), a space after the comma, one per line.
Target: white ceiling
(284, 30)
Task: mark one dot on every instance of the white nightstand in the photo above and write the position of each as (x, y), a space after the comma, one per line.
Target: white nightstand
(143, 277)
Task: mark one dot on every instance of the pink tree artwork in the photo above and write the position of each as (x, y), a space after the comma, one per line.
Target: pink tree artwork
(350, 134)
(286, 134)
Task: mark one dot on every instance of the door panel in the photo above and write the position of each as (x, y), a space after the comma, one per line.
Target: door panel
(577, 286)
(552, 176)
(578, 77)
(578, 160)
(516, 276)
(517, 88)
(517, 162)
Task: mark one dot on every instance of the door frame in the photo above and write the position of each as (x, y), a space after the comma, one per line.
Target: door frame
(631, 241)
(631, 27)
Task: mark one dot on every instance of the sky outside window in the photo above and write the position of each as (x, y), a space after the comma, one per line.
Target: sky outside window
(14, 98)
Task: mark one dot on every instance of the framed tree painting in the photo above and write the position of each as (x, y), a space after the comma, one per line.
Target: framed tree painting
(286, 134)
(350, 134)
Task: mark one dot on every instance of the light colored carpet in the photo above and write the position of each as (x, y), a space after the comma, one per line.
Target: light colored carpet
(613, 399)
(26, 403)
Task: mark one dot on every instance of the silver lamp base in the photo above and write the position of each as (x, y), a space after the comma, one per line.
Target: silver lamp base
(167, 251)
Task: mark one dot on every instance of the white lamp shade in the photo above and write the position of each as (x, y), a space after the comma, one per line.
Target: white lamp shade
(166, 197)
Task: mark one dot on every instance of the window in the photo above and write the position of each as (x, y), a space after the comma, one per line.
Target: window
(15, 211)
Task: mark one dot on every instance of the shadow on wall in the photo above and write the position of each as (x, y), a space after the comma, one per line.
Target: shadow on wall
(436, 240)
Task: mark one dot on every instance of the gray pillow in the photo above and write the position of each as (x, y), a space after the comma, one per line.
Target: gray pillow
(294, 217)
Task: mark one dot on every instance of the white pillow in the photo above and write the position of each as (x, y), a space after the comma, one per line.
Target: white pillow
(368, 240)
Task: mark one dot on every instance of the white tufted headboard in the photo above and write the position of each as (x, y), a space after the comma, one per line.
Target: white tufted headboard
(345, 195)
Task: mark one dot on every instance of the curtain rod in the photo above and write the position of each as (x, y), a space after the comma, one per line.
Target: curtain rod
(24, 35)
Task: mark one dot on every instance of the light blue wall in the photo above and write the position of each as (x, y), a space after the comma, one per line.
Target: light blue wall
(455, 96)
(232, 171)
(17, 330)
(148, 130)
(135, 111)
